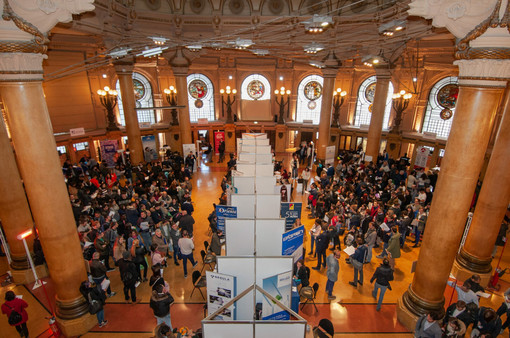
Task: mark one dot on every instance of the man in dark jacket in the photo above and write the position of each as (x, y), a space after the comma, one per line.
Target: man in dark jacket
(215, 246)
(129, 277)
(322, 242)
(382, 276)
(357, 260)
(458, 310)
(186, 223)
(98, 272)
(488, 322)
(160, 305)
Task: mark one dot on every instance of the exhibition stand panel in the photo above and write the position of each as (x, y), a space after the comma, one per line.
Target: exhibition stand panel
(263, 170)
(245, 205)
(240, 237)
(247, 157)
(244, 184)
(228, 330)
(268, 206)
(269, 236)
(246, 169)
(265, 185)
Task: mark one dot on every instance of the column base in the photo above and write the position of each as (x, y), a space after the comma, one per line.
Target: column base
(472, 263)
(78, 326)
(410, 307)
(71, 309)
(26, 276)
(462, 273)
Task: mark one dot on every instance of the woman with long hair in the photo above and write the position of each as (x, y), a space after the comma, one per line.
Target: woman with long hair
(138, 254)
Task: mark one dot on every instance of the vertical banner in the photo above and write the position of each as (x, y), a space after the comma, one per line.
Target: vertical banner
(108, 151)
(292, 243)
(280, 287)
(291, 212)
(220, 290)
(150, 152)
(422, 156)
(222, 212)
(190, 148)
(218, 137)
(284, 190)
(330, 155)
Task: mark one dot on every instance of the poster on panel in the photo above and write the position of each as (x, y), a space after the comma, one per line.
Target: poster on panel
(190, 148)
(285, 192)
(218, 137)
(280, 287)
(109, 151)
(422, 156)
(150, 152)
(222, 212)
(330, 155)
(291, 212)
(220, 290)
(292, 243)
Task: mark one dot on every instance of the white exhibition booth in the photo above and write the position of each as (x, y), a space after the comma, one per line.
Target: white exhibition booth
(253, 277)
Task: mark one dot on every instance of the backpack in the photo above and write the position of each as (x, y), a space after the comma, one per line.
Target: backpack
(15, 317)
(127, 276)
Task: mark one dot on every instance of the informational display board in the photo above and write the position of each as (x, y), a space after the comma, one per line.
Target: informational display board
(422, 156)
(292, 243)
(291, 212)
(221, 289)
(186, 149)
(223, 212)
(280, 287)
(150, 151)
(108, 151)
(218, 137)
(284, 190)
(330, 155)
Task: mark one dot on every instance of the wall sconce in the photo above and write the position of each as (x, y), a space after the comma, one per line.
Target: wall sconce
(338, 101)
(108, 98)
(400, 104)
(171, 98)
(231, 98)
(284, 101)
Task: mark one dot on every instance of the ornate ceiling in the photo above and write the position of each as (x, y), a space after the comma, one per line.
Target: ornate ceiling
(275, 28)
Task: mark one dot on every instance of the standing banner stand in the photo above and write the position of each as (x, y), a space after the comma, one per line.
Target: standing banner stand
(254, 245)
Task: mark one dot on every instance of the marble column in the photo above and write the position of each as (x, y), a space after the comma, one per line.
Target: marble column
(329, 74)
(125, 74)
(14, 210)
(180, 66)
(376, 122)
(32, 135)
(475, 255)
(477, 104)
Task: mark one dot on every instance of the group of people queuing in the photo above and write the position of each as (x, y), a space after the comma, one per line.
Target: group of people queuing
(137, 218)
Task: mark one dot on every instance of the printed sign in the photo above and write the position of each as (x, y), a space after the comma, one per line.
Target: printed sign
(292, 243)
(218, 137)
(280, 287)
(150, 152)
(422, 156)
(108, 151)
(330, 155)
(291, 212)
(222, 212)
(220, 290)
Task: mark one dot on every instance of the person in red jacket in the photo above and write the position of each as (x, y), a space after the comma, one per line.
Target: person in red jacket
(12, 303)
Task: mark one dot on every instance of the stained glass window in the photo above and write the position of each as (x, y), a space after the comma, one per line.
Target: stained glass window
(143, 98)
(364, 105)
(200, 98)
(441, 107)
(309, 99)
(255, 87)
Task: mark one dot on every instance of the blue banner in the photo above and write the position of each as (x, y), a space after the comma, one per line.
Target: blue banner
(291, 212)
(292, 243)
(222, 212)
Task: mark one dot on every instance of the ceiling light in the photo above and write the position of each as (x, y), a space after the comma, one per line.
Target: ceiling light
(317, 64)
(371, 60)
(194, 48)
(317, 24)
(242, 43)
(151, 52)
(119, 52)
(313, 48)
(159, 40)
(260, 52)
(390, 28)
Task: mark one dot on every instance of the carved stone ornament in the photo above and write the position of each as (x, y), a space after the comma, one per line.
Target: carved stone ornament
(21, 66)
(229, 134)
(280, 135)
(483, 72)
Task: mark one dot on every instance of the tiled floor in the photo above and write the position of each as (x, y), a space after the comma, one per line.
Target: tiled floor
(353, 313)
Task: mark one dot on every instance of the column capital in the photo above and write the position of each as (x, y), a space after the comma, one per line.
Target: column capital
(382, 73)
(483, 72)
(332, 66)
(124, 67)
(24, 67)
(180, 63)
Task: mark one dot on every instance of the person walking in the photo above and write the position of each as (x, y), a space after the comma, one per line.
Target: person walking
(321, 247)
(160, 304)
(14, 308)
(382, 276)
(186, 247)
(393, 246)
(428, 327)
(94, 294)
(357, 259)
(332, 272)
(370, 238)
(129, 277)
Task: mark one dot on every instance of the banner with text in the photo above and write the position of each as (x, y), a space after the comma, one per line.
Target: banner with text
(222, 212)
(291, 212)
(292, 243)
(109, 152)
(280, 287)
(220, 290)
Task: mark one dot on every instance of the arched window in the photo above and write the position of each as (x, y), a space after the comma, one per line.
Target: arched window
(441, 107)
(365, 102)
(143, 97)
(200, 98)
(309, 99)
(255, 87)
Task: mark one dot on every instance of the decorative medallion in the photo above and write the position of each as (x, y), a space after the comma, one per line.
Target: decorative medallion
(447, 96)
(255, 89)
(199, 103)
(139, 89)
(197, 6)
(197, 89)
(236, 6)
(370, 92)
(446, 114)
(370, 107)
(312, 105)
(275, 6)
(313, 90)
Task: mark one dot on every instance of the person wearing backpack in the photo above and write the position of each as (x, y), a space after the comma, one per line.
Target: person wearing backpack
(129, 276)
(160, 304)
(14, 308)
